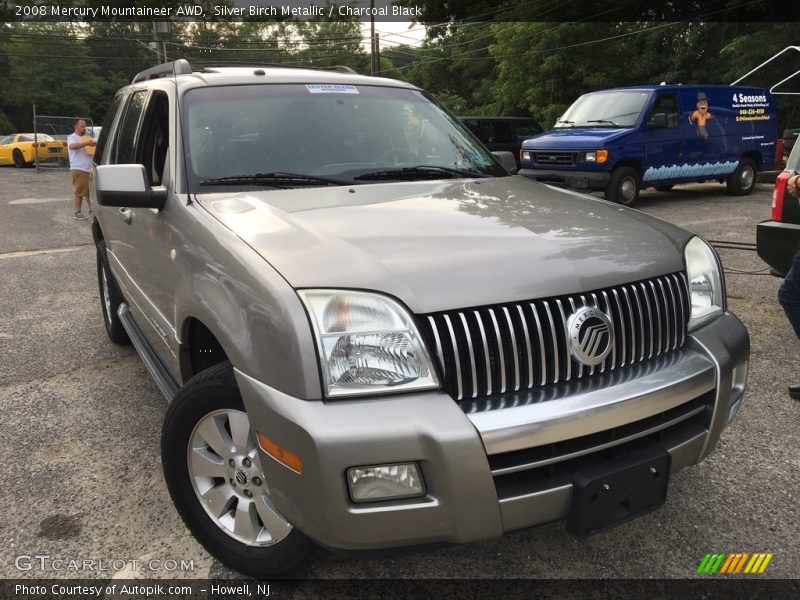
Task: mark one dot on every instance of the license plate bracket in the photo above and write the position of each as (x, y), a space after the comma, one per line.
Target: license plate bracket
(607, 495)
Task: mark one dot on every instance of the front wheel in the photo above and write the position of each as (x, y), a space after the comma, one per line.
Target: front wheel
(19, 159)
(623, 186)
(214, 475)
(743, 179)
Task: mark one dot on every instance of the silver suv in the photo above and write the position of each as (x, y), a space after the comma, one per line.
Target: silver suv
(372, 336)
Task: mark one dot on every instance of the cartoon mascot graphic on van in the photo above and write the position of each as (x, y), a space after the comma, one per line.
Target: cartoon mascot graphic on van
(701, 116)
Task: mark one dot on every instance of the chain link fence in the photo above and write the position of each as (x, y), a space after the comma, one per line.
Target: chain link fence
(58, 128)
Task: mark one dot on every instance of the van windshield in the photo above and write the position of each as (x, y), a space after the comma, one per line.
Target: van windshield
(293, 135)
(605, 109)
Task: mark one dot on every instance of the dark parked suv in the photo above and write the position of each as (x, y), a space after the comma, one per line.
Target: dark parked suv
(371, 335)
(503, 133)
(778, 239)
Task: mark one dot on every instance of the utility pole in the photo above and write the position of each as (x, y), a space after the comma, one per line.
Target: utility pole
(161, 31)
(375, 47)
(376, 56)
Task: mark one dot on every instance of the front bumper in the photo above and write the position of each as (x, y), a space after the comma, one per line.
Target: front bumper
(498, 464)
(574, 180)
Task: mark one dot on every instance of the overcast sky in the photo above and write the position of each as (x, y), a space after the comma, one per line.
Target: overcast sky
(395, 33)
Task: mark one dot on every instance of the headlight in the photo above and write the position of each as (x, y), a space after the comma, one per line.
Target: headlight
(524, 155)
(596, 156)
(367, 344)
(705, 283)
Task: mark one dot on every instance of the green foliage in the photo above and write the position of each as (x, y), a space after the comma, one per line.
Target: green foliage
(458, 69)
(474, 61)
(65, 84)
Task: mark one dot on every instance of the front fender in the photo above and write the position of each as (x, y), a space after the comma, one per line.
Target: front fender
(253, 313)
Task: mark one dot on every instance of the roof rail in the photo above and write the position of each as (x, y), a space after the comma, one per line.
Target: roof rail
(177, 67)
(339, 69)
(211, 68)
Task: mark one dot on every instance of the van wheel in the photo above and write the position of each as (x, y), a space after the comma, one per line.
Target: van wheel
(110, 298)
(624, 186)
(214, 476)
(743, 179)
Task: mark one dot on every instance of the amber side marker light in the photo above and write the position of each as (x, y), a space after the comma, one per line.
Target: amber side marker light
(286, 457)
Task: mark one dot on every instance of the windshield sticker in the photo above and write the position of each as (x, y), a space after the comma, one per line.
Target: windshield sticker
(330, 88)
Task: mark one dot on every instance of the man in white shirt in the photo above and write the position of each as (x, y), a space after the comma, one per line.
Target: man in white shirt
(80, 164)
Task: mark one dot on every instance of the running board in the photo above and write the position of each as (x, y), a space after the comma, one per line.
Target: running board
(157, 370)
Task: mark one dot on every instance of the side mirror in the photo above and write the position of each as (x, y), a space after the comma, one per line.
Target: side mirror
(657, 121)
(506, 159)
(126, 185)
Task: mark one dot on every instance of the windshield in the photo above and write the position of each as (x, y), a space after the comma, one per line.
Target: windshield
(313, 134)
(29, 137)
(605, 109)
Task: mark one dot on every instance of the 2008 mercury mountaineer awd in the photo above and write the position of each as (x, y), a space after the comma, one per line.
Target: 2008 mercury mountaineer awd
(372, 335)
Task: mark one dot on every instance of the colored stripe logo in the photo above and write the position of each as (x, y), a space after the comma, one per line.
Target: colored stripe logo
(734, 563)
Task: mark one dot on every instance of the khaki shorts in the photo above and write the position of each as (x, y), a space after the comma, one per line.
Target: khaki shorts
(80, 183)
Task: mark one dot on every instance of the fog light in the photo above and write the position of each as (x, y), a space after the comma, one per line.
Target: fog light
(385, 482)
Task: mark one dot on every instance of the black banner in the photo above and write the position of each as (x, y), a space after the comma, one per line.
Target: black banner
(729, 588)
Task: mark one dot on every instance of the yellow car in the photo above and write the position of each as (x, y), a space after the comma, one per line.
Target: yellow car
(20, 149)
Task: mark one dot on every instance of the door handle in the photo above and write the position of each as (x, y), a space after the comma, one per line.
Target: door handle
(126, 214)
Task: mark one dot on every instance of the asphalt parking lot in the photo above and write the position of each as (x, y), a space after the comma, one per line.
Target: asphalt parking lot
(81, 422)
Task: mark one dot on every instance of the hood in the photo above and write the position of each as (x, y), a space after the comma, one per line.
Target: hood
(577, 138)
(440, 245)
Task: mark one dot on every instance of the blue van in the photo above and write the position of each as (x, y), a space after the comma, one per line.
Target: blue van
(620, 140)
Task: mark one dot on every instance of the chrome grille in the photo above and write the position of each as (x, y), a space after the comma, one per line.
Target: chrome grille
(553, 158)
(510, 347)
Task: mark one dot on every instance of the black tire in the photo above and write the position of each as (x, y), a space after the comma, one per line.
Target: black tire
(744, 178)
(207, 397)
(624, 186)
(19, 159)
(110, 298)
(663, 188)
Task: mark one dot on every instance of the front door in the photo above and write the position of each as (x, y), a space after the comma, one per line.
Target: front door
(663, 145)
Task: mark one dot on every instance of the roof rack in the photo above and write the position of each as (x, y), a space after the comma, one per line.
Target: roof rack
(170, 69)
(335, 68)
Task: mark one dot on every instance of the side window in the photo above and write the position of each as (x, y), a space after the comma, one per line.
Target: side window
(108, 121)
(501, 132)
(151, 150)
(480, 128)
(526, 130)
(126, 140)
(666, 104)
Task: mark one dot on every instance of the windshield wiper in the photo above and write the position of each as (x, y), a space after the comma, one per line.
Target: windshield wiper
(419, 172)
(604, 121)
(567, 122)
(277, 179)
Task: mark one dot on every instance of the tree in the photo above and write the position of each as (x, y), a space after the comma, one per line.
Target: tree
(64, 84)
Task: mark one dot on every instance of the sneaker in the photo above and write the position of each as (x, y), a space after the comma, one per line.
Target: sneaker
(79, 216)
